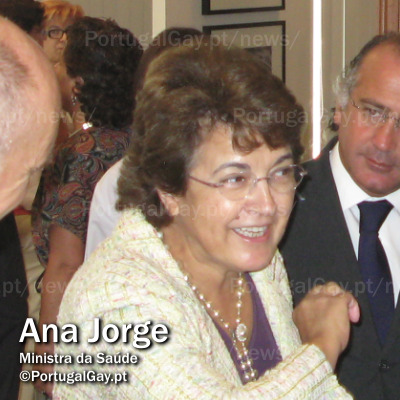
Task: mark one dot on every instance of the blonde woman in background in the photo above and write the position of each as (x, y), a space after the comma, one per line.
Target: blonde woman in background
(58, 15)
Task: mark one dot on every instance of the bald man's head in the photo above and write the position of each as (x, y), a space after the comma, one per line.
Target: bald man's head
(29, 111)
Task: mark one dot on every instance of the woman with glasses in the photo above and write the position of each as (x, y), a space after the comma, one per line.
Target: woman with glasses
(59, 15)
(207, 188)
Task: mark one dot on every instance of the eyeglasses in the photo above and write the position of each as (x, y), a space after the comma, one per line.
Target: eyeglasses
(239, 185)
(373, 116)
(56, 33)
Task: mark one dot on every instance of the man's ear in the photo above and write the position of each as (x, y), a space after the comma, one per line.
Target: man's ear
(170, 202)
(337, 115)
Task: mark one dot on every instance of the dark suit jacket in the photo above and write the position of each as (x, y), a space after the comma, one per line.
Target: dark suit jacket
(13, 307)
(317, 248)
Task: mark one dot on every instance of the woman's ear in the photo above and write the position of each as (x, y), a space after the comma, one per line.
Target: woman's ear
(170, 202)
(78, 83)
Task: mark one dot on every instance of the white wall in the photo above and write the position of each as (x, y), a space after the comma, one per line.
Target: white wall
(298, 14)
(347, 26)
(135, 15)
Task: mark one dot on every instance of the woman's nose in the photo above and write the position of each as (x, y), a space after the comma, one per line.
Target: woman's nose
(260, 197)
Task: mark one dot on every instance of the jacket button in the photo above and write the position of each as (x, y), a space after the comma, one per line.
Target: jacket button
(384, 365)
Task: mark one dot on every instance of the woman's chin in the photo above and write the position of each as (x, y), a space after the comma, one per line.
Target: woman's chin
(254, 263)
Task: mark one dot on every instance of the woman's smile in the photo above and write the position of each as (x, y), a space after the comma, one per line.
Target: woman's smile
(253, 233)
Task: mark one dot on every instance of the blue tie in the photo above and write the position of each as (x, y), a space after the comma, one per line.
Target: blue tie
(374, 264)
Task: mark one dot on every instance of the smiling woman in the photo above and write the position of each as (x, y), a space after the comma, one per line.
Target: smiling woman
(234, 233)
(207, 193)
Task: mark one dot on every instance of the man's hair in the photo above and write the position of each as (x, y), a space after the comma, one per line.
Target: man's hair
(187, 92)
(62, 9)
(14, 81)
(347, 81)
(27, 14)
(106, 57)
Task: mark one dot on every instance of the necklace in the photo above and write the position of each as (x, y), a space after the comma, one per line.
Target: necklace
(238, 334)
(84, 127)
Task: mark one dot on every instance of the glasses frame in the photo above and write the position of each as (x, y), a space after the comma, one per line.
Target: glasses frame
(385, 116)
(49, 34)
(302, 173)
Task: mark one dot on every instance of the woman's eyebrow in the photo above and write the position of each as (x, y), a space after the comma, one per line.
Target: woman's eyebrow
(287, 156)
(246, 167)
(232, 164)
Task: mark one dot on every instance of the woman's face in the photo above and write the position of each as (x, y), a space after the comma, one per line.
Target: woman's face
(54, 48)
(231, 235)
(66, 86)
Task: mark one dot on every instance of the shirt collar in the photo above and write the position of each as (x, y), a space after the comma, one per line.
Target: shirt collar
(350, 194)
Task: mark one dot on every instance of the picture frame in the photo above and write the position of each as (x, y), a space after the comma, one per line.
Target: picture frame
(239, 6)
(267, 40)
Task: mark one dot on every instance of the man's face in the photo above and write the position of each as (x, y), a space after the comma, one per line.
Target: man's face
(37, 124)
(369, 146)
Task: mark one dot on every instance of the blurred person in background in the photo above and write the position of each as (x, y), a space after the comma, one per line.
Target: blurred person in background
(30, 103)
(58, 16)
(29, 16)
(99, 78)
(103, 215)
(46, 23)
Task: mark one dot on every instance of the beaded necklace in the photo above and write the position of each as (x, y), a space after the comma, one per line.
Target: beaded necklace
(237, 334)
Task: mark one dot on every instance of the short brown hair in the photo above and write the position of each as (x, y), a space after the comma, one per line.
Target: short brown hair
(187, 91)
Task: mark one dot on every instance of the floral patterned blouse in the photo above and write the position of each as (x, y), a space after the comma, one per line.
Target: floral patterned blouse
(67, 186)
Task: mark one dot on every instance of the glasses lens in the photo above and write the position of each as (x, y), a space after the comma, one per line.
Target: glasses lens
(56, 33)
(236, 186)
(283, 180)
(286, 179)
(299, 174)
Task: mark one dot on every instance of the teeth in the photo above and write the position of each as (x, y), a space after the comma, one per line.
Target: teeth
(255, 231)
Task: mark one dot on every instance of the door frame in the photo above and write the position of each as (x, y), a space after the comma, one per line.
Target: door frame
(389, 17)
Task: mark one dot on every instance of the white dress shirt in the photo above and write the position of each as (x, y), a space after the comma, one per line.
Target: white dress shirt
(350, 194)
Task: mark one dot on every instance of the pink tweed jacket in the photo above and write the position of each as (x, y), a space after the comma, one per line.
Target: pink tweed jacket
(132, 278)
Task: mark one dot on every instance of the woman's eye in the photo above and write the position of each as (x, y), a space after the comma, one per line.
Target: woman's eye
(282, 172)
(234, 180)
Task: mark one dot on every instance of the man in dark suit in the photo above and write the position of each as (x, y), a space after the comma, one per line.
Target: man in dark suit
(13, 307)
(323, 240)
(29, 108)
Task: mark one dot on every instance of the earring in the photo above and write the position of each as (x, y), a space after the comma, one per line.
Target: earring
(74, 99)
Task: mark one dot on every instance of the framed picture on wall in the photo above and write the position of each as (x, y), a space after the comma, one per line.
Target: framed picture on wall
(266, 40)
(239, 6)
